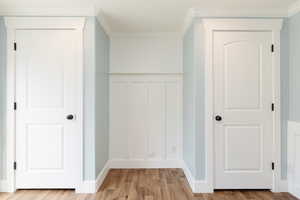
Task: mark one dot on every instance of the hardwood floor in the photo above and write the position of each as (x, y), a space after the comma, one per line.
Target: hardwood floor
(144, 184)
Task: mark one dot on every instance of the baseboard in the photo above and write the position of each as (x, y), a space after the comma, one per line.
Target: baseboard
(4, 186)
(197, 186)
(101, 176)
(283, 186)
(92, 186)
(136, 164)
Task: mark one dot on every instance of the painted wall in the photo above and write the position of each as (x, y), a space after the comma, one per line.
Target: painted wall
(193, 101)
(89, 99)
(294, 49)
(102, 43)
(189, 100)
(2, 96)
(146, 53)
(284, 94)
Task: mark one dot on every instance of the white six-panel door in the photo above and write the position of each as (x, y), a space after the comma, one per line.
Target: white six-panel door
(243, 97)
(47, 91)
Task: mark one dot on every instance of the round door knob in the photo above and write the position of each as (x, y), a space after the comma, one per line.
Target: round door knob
(218, 118)
(70, 117)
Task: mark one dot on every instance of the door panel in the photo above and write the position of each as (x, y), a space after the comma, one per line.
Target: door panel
(47, 90)
(243, 97)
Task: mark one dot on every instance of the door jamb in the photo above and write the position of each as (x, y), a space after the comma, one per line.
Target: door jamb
(264, 25)
(22, 23)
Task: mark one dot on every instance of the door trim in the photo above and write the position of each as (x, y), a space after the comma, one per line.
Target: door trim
(266, 25)
(23, 23)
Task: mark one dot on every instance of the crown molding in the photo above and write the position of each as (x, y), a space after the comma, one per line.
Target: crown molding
(100, 16)
(294, 9)
(195, 13)
(48, 12)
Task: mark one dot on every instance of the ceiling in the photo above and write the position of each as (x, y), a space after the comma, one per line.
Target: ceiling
(153, 15)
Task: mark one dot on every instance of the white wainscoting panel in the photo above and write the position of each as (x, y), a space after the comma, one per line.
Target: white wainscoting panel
(145, 118)
(294, 158)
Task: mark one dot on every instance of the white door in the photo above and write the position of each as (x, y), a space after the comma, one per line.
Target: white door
(47, 92)
(243, 99)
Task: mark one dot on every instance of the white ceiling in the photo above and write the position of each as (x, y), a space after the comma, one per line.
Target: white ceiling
(151, 15)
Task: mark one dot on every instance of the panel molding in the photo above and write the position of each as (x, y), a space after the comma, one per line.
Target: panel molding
(158, 108)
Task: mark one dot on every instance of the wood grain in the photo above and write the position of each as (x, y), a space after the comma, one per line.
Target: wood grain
(145, 184)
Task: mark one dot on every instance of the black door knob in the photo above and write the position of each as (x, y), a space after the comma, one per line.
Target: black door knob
(70, 117)
(218, 118)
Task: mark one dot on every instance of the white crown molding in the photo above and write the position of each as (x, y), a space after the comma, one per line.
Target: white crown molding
(103, 21)
(195, 13)
(47, 11)
(294, 9)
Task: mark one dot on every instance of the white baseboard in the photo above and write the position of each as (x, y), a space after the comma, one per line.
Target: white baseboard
(197, 186)
(283, 186)
(92, 186)
(136, 164)
(4, 186)
(101, 176)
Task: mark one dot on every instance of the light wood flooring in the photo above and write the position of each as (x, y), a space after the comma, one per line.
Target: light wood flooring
(144, 184)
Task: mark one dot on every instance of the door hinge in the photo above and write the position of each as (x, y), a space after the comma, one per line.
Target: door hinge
(272, 106)
(272, 48)
(273, 166)
(15, 165)
(15, 46)
(15, 105)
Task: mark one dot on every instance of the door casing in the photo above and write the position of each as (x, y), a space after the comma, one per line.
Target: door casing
(266, 25)
(23, 23)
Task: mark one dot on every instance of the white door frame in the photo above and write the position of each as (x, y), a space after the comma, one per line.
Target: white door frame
(23, 23)
(264, 25)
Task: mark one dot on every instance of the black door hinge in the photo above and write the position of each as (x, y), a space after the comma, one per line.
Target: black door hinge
(273, 165)
(15, 165)
(272, 48)
(15, 46)
(15, 105)
(272, 106)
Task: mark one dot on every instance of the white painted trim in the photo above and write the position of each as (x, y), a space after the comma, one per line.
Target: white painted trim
(241, 13)
(12, 24)
(294, 9)
(47, 11)
(101, 176)
(196, 13)
(45, 22)
(141, 164)
(211, 25)
(4, 186)
(197, 186)
(92, 186)
(100, 16)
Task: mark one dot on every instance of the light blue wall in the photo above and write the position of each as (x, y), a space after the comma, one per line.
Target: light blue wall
(102, 43)
(89, 99)
(284, 94)
(2, 94)
(294, 49)
(193, 101)
(189, 101)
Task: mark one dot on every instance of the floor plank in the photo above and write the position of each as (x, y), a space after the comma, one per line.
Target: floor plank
(145, 184)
